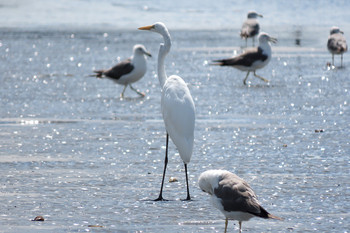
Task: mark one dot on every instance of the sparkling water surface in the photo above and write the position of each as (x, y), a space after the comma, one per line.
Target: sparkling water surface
(76, 153)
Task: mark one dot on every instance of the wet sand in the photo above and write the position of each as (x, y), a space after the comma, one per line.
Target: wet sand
(75, 153)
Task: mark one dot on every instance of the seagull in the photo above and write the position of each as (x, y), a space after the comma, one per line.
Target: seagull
(232, 196)
(250, 27)
(253, 58)
(336, 43)
(177, 106)
(128, 71)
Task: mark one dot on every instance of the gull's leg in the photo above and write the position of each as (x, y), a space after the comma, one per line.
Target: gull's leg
(140, 93)
(253, 40)
(122, 94)
(245, 79)
(341, 61)
(258, 76)
(332, 59)
(240, 227)
(226, 221)
(160, 197)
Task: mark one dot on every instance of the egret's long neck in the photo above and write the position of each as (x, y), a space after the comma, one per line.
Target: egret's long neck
(163, 51)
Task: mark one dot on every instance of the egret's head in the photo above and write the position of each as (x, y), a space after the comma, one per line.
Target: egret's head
(253, 15)
(140, 49)
(158, 27)
(264, 37)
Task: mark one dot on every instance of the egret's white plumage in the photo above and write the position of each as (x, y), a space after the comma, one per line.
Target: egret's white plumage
(253, 58)
(128, 71)
(232, 196)
(250, 27)
(336, 43)
(177, 105)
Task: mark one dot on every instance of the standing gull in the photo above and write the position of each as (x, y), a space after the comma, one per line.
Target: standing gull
(253, 58)
(128, 71)
(337, 44)
(250, 27)
(177, 107)
(232, 196)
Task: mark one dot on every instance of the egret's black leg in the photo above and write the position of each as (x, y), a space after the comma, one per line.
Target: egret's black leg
(188, 189)
(160, 197)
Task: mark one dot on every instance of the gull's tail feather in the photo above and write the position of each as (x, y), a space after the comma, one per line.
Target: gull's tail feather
(98, 73)
(264, 214)
(217, 63)
(274, 217)
(225, 62)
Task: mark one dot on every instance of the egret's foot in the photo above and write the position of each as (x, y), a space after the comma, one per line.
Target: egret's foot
(160, 198)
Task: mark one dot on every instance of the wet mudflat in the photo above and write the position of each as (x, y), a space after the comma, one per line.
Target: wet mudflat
(76, 153)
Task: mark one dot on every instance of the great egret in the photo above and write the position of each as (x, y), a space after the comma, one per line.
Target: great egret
(337, 44)
(177, 106)
(128, 71)
(250, 27)
(232, 196)
(253, 58)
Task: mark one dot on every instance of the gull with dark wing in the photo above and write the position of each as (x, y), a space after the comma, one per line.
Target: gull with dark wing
(253, 58)
(250, 27)
(337, 44)
(232, 196)
(128, 71)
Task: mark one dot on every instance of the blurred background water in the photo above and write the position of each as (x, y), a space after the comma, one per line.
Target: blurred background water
(72, 151)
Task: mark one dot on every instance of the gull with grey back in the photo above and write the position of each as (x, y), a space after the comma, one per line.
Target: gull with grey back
(337, 44)
(232, 196)
(250, 27)
(128, 71)
(252, 59)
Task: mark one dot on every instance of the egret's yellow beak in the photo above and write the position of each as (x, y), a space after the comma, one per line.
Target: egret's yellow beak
(146, 27)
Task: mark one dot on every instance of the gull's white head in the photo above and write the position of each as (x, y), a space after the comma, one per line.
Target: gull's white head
(335, 30)
(209, 180)
(253, 15)
(140, 49)
(264, 38)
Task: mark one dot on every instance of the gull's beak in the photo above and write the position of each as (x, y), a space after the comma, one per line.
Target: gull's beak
(341, 32)
(146, 27)
(273, 40)
(148, 54)
(260, 16)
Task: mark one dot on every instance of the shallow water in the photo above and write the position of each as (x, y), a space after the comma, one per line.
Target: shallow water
(74, 152)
